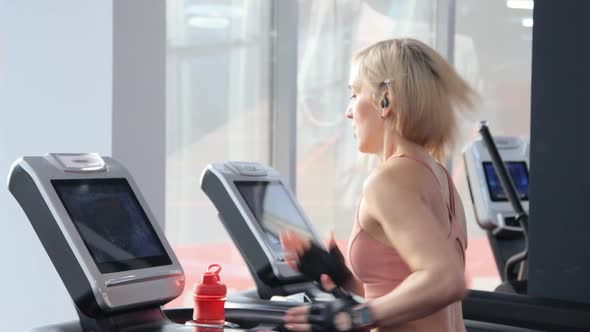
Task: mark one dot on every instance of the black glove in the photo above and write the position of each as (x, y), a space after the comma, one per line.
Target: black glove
(316, 261)
(344, 314)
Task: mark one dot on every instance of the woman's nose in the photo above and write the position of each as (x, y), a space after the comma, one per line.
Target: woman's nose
(348, 113)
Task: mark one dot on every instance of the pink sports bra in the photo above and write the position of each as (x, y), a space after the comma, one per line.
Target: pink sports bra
(379, 266)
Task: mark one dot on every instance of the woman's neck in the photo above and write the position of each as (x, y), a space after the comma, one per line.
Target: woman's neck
(395, 145)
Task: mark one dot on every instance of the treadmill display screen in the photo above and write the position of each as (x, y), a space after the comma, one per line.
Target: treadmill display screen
(519, 174)
(274, 210)
(112, 224)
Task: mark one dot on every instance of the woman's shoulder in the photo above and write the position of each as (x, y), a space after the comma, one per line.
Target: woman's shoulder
(399, 173)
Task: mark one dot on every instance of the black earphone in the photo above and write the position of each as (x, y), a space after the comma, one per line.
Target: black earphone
(384, 102)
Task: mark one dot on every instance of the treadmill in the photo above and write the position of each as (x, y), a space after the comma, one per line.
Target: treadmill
(494, 208)
(497, 174)
(255, 207)
(108, 249)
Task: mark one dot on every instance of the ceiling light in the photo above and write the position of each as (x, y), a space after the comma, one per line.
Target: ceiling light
(520, 4)
(208, 22)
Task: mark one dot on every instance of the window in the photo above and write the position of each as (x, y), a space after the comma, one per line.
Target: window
(218, 62)
(502, 76)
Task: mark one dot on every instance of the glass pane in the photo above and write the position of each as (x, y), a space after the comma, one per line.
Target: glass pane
(218, 63)
(502, 76)
(329, 172)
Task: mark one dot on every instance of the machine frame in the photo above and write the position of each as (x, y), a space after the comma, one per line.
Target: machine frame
(95, 293)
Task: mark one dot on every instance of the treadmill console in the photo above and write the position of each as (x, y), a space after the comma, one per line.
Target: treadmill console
(255, 207)
(98, 231)
(492, 208)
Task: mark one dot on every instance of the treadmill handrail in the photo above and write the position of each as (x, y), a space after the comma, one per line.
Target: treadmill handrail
(503, 175)
(526, 311)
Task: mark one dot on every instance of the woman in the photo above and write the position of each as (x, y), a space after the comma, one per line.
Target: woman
(406, 250)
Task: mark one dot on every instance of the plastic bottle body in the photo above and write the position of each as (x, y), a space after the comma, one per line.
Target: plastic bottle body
(209, 310)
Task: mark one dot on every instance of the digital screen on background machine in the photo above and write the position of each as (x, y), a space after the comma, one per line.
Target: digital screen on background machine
(519, 174)
(112, 224)
(274, 210)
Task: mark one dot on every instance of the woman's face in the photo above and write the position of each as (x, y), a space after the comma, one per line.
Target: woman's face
(365, 115)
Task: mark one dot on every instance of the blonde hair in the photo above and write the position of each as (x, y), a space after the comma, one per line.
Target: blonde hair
(424, 90)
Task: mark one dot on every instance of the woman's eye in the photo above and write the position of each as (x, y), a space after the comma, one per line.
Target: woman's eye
(353, 97)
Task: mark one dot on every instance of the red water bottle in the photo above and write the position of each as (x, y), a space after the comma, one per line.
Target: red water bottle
(209, 296)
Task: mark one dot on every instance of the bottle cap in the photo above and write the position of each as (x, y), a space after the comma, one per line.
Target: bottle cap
(210, 284)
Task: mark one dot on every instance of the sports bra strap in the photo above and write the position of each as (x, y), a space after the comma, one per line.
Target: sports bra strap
(451, 191)
(421, 163)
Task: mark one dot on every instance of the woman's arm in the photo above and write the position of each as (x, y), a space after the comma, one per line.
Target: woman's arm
(395, 200)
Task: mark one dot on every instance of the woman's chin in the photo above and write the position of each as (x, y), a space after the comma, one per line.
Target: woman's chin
(361, 147)
(365, 148)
